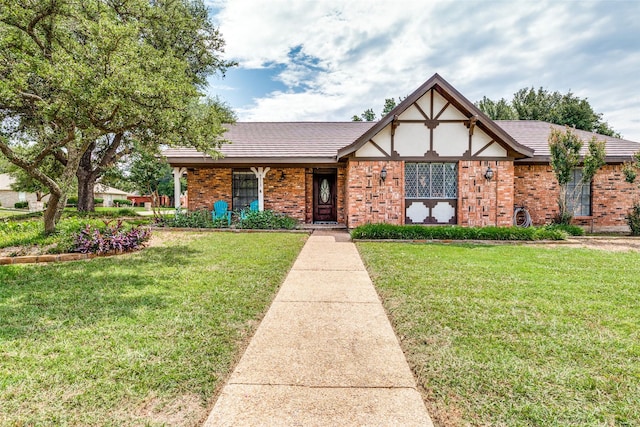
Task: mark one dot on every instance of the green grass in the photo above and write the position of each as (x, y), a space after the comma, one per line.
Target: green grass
(29, 233)
(6, 213)
(516, 336)
(138, 339)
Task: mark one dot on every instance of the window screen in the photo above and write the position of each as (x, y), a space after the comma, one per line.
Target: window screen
(245, 189)
(578, 195)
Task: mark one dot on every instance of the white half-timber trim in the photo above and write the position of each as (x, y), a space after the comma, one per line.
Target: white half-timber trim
(443, 212)
(417, 212)
(177, 174)
(260, 173)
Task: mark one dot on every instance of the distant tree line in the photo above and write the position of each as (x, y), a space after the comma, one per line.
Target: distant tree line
(553, 107)
(529, 104)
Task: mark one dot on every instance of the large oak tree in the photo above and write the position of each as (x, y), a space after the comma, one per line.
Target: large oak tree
(79, 76)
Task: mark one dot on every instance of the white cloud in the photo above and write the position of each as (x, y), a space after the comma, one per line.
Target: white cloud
(349, 56)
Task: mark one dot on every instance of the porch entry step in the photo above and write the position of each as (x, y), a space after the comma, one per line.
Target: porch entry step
(323, 226)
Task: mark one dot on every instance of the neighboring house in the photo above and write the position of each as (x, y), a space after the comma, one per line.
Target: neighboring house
(426, 162)
(108, 194)
(9, 197)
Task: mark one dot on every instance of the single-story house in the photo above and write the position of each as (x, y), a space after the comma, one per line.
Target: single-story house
(9, 197)
(108, 194)
(434, 159)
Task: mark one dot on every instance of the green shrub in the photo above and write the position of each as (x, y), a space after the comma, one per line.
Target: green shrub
(72, 201)
(267, 220)
(192, 219)
(633, 219)
(110, 238)
(563, 218)
(110, 213)
(21, 205)
(97, 201)
(571, 230)
(420, 232)
(122, 202)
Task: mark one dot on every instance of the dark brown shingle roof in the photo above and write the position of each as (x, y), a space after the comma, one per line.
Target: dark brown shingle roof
(534, 134)
(320, 142)
(284, 141)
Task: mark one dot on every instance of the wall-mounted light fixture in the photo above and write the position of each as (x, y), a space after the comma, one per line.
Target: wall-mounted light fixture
(488, 174)
(282, 176)
(383, 174)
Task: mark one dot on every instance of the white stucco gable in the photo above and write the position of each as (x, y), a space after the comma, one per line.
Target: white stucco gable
(436, 123)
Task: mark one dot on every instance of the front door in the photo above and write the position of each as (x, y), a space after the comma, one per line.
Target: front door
(324, 197)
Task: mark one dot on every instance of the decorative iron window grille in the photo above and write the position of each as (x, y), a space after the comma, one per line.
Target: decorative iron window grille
(245, 188)
(578, 195)
(431, 180)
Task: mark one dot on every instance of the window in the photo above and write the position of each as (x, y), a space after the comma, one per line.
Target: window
(431, 180)
(245, 188)
(578, 195)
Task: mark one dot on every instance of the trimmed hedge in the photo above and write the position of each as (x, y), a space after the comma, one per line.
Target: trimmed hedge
(21, 205)
(571, 230)
(121, 202)
(267, 220)
(421, 232)
(190, 219)
(73, 201)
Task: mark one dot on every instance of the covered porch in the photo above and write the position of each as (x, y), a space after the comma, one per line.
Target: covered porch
(311, 194)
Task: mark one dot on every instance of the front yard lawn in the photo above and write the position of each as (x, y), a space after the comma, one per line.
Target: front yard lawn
(138, 339)
(516, 335)
(4, 213)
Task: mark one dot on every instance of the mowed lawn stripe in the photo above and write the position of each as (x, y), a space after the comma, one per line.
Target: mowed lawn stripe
(137, 339)
(516, 335)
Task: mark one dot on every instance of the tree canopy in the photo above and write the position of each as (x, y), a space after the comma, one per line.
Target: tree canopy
(552, 107)
(75, 76)
(369, 115)
(565, 149)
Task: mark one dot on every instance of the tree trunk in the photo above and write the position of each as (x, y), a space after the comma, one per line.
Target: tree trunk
(86, 180)
(86, 183)
(53, 212)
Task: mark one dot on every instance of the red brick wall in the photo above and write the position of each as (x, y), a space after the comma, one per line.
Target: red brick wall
(482, 202)
(537, 188)
(342, 192)
(611, 198)
(370, 200)
(286, 195)
(206, 186)
(291, 195)
(308, 180)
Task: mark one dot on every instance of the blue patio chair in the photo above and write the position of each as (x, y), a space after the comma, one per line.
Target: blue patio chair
(221, 210)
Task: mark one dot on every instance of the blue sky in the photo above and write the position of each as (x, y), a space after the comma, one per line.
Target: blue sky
(328, 60)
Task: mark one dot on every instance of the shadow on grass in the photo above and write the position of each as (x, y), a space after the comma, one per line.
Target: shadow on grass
(40, 299)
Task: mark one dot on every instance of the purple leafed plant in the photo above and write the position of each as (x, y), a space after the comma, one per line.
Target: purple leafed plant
(111, 239)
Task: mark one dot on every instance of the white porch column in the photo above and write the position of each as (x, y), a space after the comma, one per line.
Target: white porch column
(260, 173)
(177, 174)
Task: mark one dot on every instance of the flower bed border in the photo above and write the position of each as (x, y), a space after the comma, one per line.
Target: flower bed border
(32, 259)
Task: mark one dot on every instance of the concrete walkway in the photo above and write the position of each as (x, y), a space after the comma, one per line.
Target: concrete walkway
(325, 353)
